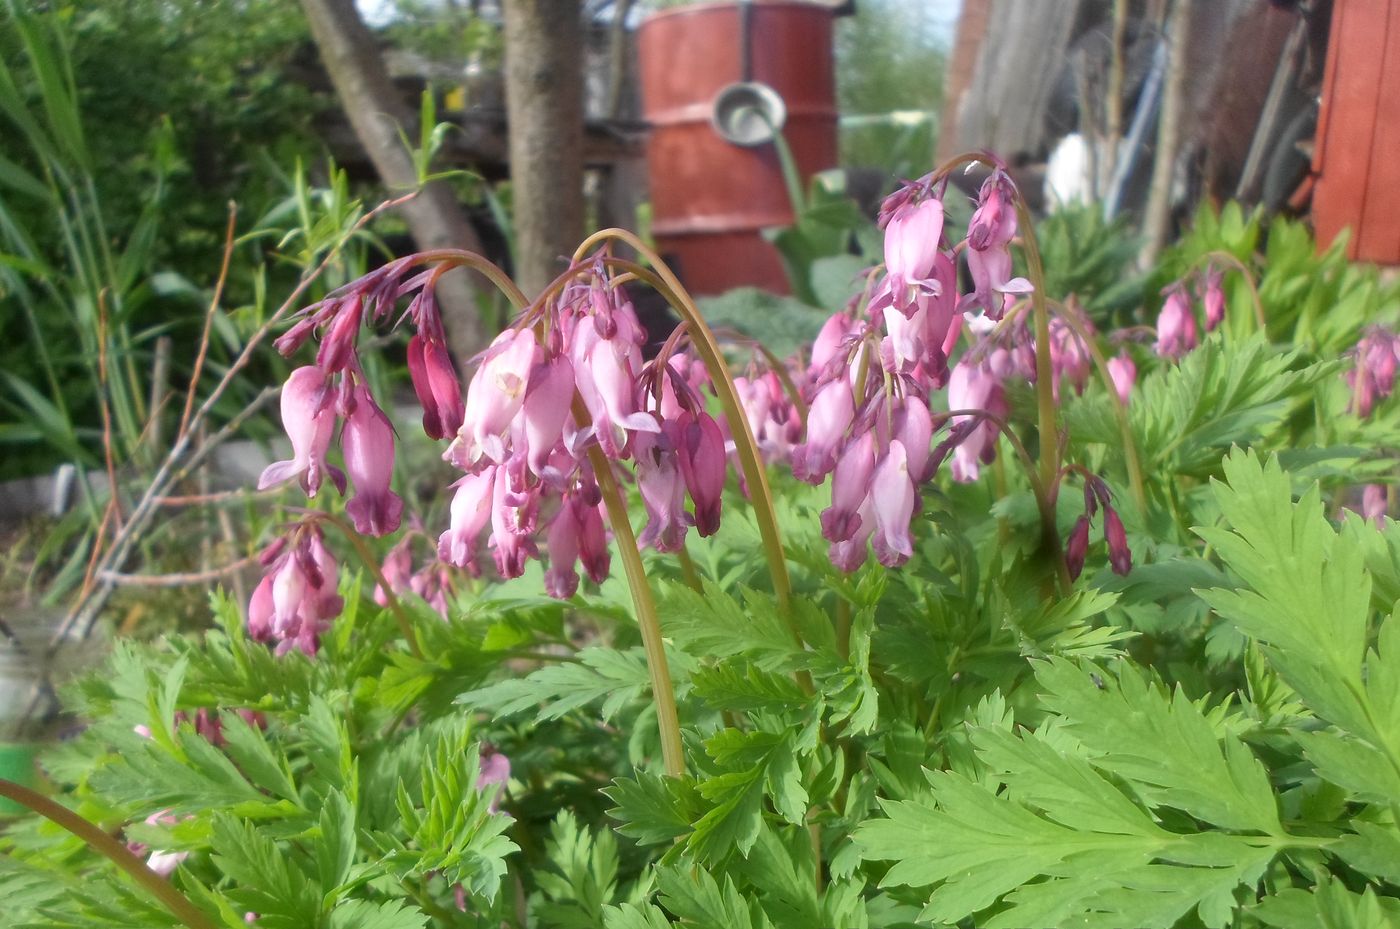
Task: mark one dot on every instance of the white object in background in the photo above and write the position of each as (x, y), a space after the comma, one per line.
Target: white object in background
(63, 480)
(1067, 173)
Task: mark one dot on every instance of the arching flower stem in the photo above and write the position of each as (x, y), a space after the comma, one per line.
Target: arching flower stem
(362, 551)
(99, 841)
(663, 692)
(665, 282)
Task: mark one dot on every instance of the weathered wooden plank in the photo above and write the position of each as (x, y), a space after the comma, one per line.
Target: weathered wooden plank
(1356, 57)
(1378, 238)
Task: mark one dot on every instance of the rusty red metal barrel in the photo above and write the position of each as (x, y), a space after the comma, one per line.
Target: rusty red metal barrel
(712, 198)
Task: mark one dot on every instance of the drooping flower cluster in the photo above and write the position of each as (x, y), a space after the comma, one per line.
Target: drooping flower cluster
(1372, 379)
(434, 583)
(1178, 331)
(876, 365)
(1372, 376)
(1120, 558)
(296, 599)
(524, 443)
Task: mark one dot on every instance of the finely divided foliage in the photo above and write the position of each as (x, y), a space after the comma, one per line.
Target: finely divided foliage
(996, 721)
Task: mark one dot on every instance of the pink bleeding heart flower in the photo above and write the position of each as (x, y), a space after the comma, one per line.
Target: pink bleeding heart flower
(1123, 373)
(435, 383)
(494, 397)
(912, 236)
(1375, 504)
(309, 423)
(1372, 377)
(368, 443)
(261, 611)
(493, 771)
(663, 491)
(338, 349)
(1069, 356)
(700, 449)
(975, 387)
(547, 409)
(574, 533)
(469, 514)
(607, 382)
(913, 427)
(512, 523)
(1176, 326)
(993, 287)
(850, 487)
(993, 223)
(832, 336)
(830, 415)
(849, 554)
(397, 569)
(893, 499)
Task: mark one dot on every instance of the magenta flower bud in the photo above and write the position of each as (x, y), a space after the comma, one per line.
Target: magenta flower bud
(993, 223)
(1375, 504)
(1123, 373)
(850, 488)
(593, 541)
(1176, 326)
(700, 449)
(893, 499)
(912, 236)
(368, 443)
(493, 771)
(829, 417)
(1214, 299)
(547, 408)
(1076, 547)
(337, 351)
(309, 423)
(470, 512)
(1119, 556)
(663, 492)
(435, 383)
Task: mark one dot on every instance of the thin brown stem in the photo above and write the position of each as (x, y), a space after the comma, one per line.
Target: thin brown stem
(391, 600)
(209, 315)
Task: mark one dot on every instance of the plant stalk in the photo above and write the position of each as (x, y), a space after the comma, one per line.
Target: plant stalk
(177, 903)
(667, 719)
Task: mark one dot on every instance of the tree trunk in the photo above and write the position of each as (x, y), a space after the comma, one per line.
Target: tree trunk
(377, 113)
(1156, 223)
(544, 108)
